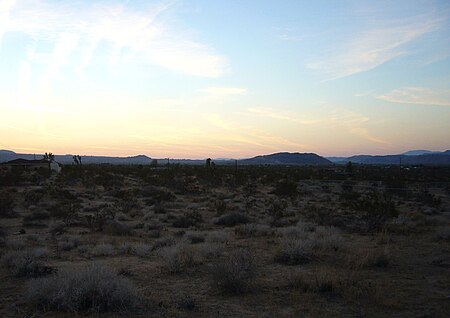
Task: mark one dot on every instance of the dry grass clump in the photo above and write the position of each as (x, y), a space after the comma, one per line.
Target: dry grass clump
(176, 259)
(69, 242)
(90, 289)
(140, 249)
(195, 238)
(236, 273)
(327, 281)
(252, 230)
(295, 251)
(218, 237)
(375, 258)
(300, 246)
(102, 249)
(163, 242)
(26, 263)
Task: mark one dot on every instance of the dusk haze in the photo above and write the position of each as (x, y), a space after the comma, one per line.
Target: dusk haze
(234, 79)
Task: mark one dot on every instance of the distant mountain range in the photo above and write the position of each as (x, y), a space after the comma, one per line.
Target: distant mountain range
(6, 155)
(287, 158)
(414, 157)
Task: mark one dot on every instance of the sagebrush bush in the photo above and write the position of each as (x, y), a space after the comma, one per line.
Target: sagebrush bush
(36, 215)
(26, 263)
(232, 219)
(7, 206)
(252, 230)
(177, 258)
(57, 227)
(102, 249)
(163, 242)
(195, 238)
(114, 227)
(295, 251)
(69, 242)
(141, 249)
(236, 273)
(90, 289)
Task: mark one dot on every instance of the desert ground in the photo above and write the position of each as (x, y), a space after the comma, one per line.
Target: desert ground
(198, 241)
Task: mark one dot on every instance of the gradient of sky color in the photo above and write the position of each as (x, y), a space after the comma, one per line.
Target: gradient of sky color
(210, 78)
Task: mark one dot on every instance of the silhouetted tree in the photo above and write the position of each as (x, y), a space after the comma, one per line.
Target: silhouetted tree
(77, 160)
(49, 157)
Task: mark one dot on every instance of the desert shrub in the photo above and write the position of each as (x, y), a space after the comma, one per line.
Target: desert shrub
(177, 258)
(277, 210)
(373, 258)
(235, 273)
(252, 230)
(102, 249)
(57, 227)
(195, 238)
(140, 249)
(187, 220)
(424, 196)
(98, 220)
(327, 238)
(295, 251)
(66, 211)
(211, 250)
(186, 302)
(122, 217)
(286, 188)
(232, 219)
(218, 237)
(117, 228)
(91, 289)
(35, 215)
(7, 206)
(220, 206)
(378, 209)
(163, 242)
(159, 208)
(26, 263)
(443, 233)
(69, 242)
(3, 235)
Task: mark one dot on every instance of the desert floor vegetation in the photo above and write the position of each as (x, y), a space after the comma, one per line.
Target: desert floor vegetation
(185, 241)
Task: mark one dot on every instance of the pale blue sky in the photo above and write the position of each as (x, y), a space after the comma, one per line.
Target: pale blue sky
(224, 78)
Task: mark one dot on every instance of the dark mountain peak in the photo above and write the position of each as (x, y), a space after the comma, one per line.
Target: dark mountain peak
(417, 152)
(287, 158)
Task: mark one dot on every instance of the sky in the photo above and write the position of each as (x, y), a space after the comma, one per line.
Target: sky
(224, 79)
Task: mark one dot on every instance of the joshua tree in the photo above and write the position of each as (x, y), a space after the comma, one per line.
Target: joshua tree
(49, 157)
(77, 160)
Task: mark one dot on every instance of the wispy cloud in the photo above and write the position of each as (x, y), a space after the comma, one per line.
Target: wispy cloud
(340, 118)
(224, 90)
(5, 8)
(144, 36)
(373, 47)
(281, 115)
(418, 95)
